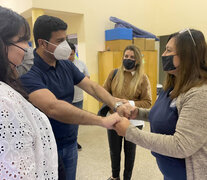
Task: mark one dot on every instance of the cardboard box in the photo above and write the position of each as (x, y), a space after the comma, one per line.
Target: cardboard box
(117, 45)
(118, 33)
(149, 44)
(140, 43)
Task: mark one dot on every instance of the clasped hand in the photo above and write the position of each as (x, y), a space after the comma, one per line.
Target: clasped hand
(124, 113)
(127, 112)
(119, 121)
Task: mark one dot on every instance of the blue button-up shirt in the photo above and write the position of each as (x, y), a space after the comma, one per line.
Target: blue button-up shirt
(60, 80)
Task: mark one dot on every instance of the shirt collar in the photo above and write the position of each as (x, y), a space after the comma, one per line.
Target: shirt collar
(132, 73)
(39, 62)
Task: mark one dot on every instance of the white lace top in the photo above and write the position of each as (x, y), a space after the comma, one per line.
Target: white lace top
(27, 144)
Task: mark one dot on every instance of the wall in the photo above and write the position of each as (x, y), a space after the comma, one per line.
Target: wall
(160, 17)
(174, 15)
(18, 6)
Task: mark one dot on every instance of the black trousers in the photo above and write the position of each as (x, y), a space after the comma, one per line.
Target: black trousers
(115, 145)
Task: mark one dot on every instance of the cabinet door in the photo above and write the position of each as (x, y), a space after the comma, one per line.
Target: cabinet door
(107, 61)
(105, 65)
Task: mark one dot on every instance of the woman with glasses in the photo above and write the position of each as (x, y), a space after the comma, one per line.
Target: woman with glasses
(178, 120)
(27, 145)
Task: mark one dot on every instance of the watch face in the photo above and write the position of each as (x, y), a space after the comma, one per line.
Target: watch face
(118, 104)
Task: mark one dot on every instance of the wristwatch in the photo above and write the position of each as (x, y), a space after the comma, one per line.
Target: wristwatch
(117, 104)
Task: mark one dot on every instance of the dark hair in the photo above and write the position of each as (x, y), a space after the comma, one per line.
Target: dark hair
(192, 70)
(172, 35)
(11, 25)
(72, 46)
(45, 25)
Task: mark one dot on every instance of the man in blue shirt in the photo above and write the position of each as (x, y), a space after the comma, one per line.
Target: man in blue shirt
(50, 85)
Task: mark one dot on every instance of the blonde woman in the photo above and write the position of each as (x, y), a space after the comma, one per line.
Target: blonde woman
(132, 84)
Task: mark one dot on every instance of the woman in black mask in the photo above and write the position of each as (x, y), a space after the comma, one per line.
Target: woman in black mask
(130, 83)
(178, 119)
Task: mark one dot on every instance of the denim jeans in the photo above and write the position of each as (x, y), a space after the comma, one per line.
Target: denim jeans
(61, 169)
(69, 155)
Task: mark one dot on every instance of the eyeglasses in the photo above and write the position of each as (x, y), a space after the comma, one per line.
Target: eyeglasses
(13, 64)
(189, 34)
(19, 47)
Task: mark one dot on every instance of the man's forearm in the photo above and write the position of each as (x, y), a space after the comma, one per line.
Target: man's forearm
(102, 95)
(97, 92)
(67, 113)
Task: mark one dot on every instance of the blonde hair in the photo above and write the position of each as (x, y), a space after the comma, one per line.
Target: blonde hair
(139, 72)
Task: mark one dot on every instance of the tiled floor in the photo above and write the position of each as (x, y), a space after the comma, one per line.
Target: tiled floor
(94, 162)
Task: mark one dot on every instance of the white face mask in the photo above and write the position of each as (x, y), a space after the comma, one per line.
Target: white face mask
(62, 51)
(27, 62)
(28, 55)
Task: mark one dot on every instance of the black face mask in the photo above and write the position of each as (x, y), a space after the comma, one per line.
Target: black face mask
(128, 64)
(167, 63)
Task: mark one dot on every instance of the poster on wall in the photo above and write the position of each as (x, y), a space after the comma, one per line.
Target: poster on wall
(74, 39)
(30, 43)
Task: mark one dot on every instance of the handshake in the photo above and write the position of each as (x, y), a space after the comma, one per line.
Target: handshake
(119, 121)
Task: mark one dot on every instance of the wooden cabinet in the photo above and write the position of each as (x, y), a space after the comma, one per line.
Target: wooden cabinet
(109, 60)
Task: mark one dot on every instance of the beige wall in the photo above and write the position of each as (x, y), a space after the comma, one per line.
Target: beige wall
(90, 18)
(173, 15)
(17, 5)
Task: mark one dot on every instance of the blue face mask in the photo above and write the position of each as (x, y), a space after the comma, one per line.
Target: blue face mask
(167, 63)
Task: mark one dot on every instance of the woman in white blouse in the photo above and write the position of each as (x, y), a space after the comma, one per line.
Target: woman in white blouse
(27, 145)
